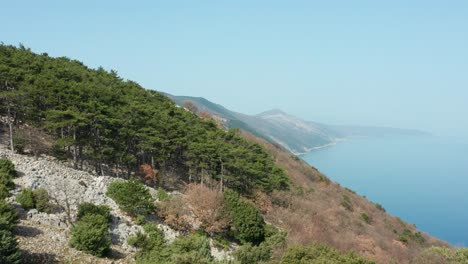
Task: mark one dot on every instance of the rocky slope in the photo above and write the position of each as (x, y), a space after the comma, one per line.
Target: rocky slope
(43, 237)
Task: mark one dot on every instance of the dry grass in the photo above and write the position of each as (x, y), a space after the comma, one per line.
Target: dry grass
(314, 211)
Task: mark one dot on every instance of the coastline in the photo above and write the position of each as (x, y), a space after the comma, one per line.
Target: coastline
(308, 150)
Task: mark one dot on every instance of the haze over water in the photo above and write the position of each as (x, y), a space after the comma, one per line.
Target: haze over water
(423, 180)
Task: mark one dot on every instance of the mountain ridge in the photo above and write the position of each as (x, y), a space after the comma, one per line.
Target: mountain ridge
(294, 134)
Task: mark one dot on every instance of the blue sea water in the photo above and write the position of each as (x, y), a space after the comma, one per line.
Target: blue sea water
(423, 180)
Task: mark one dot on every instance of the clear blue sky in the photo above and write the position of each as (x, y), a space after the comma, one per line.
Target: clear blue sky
(394, 63)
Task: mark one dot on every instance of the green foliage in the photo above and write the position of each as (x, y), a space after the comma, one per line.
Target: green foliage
(90, 208)
(249, 253)
(116, 122)
(406, 236)
(318, 254)
(4, 192)
(38, 199)
(140, 220)
(139, 240)
(346, 203)
(380, 207)
(366, 218)
(248, 224)
(8, 216)
(91, 235)
(7, 173)
(41, 199)
(163, 195)
(439, 255)
(194, 248)
(26, 199)
(131, 196)
(9, 252)
(7, 168)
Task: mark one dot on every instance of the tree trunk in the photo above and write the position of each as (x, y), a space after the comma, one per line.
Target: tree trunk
(10, 124)
(75, 151)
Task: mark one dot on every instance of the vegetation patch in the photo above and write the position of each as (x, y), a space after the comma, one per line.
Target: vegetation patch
(317, 254)
(91, 235)
(131, 196)
(34, 199)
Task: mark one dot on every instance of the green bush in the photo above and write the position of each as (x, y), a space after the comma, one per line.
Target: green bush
(249, 253)
(139, 240)
(41, 200)
(318, 254)
(194, 248)
(9, 252)
(7, 168)
(163, 195)
(86, 208)
(131, 196)
(4, 192)
(346, 203)
(7, 173)
(366, 218)
(193, 245)
(406, 236)
(8, 216)
(26, 199)
(248, 225)
(140, 220)
(91, 235)
(38, 199)
(380, 207)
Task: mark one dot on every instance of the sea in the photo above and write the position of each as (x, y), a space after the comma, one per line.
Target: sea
(421, 179)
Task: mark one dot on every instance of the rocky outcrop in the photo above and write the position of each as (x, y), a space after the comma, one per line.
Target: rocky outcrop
(47, 235)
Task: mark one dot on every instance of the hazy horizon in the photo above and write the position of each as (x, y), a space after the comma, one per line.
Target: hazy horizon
(394, 64)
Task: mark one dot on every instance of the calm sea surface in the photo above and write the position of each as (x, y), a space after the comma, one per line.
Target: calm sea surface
(423, 180)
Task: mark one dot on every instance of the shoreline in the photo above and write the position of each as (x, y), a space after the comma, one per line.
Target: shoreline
(308, 150)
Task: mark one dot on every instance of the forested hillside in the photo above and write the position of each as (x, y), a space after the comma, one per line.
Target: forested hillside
(97, 118)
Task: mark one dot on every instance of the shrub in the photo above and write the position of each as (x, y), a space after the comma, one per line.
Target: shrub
(175, 213)
(139, 240)
(192, 247)
(8, 216)
(140, 220)
(37, 199)
(91, 235)
(380, 207)
(7, 168)
(248, 224)
(316, 254)
(41, 200)
(163, 195)
(366, 218)
(131, 196)
(26, 199)
(9, 252)
(406, 236)
(7, 173)
(248, 253)
(4, 192)
(208, 207)
(346, 203)
(90, 209)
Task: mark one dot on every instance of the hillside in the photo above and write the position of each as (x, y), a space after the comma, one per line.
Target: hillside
(85, 135)
(292, 133)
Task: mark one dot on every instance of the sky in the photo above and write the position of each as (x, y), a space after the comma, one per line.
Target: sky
(393, 63)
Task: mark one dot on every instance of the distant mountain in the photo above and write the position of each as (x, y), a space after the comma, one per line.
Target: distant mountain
(275, 126)
(294, 134)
